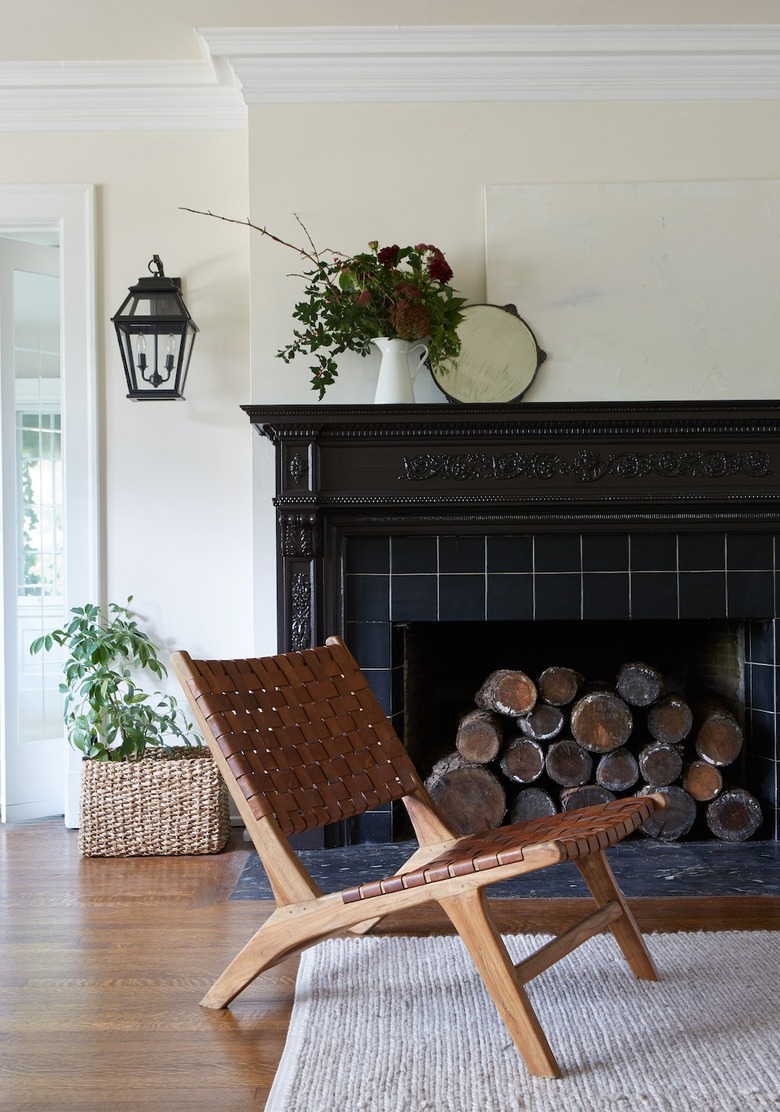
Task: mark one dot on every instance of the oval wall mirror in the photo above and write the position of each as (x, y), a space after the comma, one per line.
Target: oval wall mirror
(498, 360)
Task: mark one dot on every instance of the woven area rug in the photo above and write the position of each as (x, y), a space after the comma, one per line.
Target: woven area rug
(404, 1025)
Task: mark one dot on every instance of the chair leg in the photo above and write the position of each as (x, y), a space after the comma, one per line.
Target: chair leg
(472, 920)
(598, 876)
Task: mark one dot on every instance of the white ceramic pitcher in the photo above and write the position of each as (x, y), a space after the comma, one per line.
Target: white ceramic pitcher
(396, 376)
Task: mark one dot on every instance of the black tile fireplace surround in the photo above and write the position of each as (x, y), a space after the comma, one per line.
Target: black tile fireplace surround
(394, 516)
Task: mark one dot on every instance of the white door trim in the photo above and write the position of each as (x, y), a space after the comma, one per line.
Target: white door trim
(70, 210)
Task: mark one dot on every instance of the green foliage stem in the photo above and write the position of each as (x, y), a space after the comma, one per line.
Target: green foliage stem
(107, 716)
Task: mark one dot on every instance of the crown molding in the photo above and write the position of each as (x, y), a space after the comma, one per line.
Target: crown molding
(310, 65)
(120, 96)
(244, 66)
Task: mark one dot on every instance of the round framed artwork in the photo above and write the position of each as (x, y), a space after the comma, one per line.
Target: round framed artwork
(498, 360)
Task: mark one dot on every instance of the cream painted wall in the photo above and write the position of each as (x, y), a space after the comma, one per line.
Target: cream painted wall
(166, 463)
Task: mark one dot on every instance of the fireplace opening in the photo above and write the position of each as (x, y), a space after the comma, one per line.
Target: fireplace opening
(702, 662)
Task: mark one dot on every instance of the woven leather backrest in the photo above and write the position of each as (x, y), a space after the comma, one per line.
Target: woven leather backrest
(303, 734)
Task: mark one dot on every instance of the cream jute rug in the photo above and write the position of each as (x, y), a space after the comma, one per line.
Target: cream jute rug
(404, 1025)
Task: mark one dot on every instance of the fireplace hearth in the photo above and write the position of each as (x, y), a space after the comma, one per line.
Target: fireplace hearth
(620, 519)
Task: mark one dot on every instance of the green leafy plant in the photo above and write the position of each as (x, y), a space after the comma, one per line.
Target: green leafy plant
(107, 716)
(348, 300)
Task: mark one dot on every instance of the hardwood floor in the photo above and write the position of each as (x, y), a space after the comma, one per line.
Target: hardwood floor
(104, 961)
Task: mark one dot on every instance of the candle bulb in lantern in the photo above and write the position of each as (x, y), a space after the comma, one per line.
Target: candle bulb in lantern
(170, 352)
(141, 349)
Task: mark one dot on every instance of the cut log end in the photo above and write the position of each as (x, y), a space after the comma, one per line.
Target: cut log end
(559, 686)
(601, 721)
(618, 771)
(522, 760)
(568, 764)
(589, 795)
(639, 684)
(469, 796)
(660, 763)
(479, 736)
(675, 819)
(734, 816)
(507, 692)
(719, 737)
(670, 719)
(702, 780)
(532, 803)
(543, 723)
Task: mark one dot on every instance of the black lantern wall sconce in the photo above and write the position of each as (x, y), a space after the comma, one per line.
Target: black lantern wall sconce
(156, 334)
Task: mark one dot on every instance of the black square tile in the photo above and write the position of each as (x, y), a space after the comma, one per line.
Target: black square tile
(762, 687)
(379, 680)
(653, 552)
(369, 643)
(605, 553)
(557, 553)
(366, 597)
(605, 595)
(510, 598)
(461, 554)
(461, 598)
(762, 766)
(414, 598)
(654, 595)
(750, 552)
(751, 594)
(558, 597)
(410, 555)
(373, 827)
(367, 554)
(760, 642)
(704, 552)
(510, 554)
(702, 594)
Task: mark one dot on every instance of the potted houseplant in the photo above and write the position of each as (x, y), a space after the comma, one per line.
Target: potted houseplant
(397, 294)
(149, 785)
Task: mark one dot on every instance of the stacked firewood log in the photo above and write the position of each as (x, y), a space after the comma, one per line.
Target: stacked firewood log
(531, 748)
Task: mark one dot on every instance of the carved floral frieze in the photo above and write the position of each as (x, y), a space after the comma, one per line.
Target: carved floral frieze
(585, 466)
(300, 612)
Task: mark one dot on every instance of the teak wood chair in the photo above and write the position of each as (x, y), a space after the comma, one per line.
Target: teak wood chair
(301, 741)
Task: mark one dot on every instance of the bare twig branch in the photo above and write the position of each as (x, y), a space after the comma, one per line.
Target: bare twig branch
(313, 258)
(306, 233)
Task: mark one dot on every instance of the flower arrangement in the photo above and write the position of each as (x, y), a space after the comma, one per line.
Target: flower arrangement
(349, 300)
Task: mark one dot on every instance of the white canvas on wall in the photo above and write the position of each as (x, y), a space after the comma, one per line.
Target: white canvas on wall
(645, 292)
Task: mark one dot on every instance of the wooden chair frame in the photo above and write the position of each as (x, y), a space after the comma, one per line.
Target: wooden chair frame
(240, 715)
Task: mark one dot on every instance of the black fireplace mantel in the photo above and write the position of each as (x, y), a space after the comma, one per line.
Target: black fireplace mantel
(474, 469)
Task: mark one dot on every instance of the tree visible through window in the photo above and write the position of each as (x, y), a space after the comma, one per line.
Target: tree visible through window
(39, 502)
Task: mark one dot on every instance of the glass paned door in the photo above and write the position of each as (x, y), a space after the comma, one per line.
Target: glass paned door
(33, 543)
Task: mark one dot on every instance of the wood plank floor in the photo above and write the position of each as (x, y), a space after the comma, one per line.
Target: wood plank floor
(104, 961)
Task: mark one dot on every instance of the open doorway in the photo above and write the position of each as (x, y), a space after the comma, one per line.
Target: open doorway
(49, 478)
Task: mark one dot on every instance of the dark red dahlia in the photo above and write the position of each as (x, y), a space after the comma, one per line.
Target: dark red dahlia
(388, 256)
(438, 267)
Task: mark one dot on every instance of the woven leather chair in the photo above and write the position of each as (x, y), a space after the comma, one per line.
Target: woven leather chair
(302, 741)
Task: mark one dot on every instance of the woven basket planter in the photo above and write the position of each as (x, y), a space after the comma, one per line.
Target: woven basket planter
(165, 803)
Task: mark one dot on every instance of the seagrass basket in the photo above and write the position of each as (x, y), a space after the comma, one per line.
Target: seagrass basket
(164, 803)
